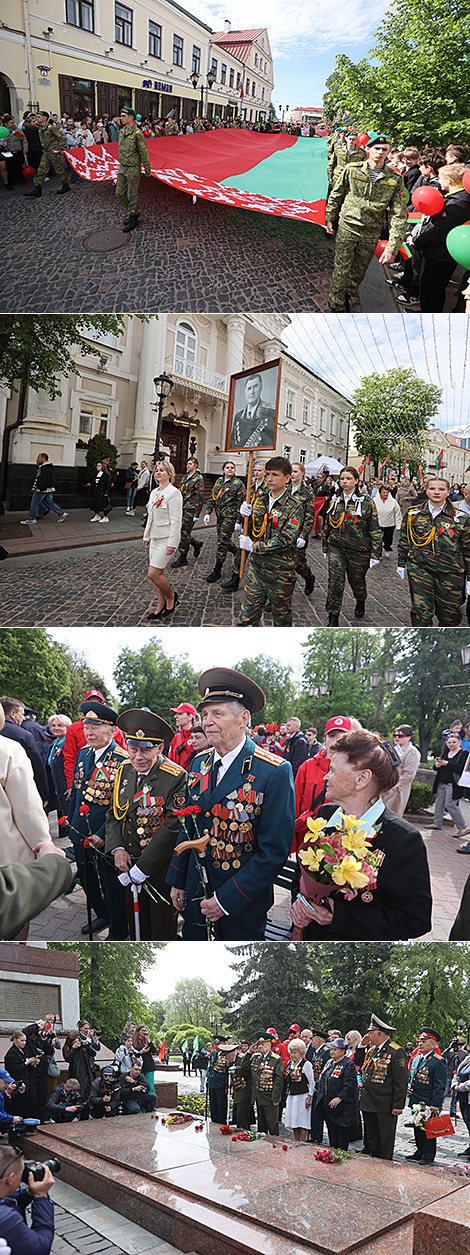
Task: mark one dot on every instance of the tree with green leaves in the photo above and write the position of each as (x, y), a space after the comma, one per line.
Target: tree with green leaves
(82, 677)
(275, 679)
(193, 1001)
(99, 447)
(109, 980)
(150, 677)
(35, 349)
(176, 1036)
(34, 669)
(392, 413)
(345, 661)
(427, 692)
(428, 985)
(273, 985)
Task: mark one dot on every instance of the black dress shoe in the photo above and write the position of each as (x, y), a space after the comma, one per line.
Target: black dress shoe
(96, 926)
(167, 611)
(417, 1156)
(62, 190)
(34, 195)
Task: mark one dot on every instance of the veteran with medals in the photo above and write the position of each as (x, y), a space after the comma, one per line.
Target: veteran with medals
(267, 1075)
(385, 1083)
(240, 803)
(428, 1083)
(92, 787)
(141, 824)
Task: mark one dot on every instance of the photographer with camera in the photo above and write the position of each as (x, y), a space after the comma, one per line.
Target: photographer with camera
(79, 1052)
(7, 1087)
(126, 1055)
(454, 1056)
(136, 1094)
(23, 1240)
(65, 1103)
(105, 1095)
(39, 1049)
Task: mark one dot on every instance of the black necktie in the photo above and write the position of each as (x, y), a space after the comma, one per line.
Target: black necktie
(215, 772)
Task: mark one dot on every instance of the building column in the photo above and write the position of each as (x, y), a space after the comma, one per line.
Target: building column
(272, 349)
(46, 428)
(235, 343)
(152, 363)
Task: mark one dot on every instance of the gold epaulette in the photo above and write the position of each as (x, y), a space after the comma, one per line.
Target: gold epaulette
(267, 756)
(122, 753)
(172, 768)
(394, 1045)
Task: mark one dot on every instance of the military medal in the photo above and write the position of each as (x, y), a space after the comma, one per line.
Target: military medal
(367, 896)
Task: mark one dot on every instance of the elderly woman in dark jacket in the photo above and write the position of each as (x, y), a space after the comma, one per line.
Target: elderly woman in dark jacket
(337, 1095)
(79, 1052)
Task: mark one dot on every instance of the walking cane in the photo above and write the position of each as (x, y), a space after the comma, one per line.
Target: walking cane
(135, 896)
(86, 886)
(199, 849)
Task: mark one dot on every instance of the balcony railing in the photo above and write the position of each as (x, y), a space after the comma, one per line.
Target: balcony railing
(197, 374)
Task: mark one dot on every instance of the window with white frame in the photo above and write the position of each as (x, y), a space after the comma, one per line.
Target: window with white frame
(341, 429)
(332, 424)
(214, 67)
(248, 86)
(185, 350)
(306, 412)
(93, 421)
(322, 419)
(223, 73)
(177, 50)
(80, 13)
(302, 456)
(231, 76)
(196, 62)
(155, 40)
(99, 337)
(287, 451)
(253, 88)
(290, 404)
(123, 25)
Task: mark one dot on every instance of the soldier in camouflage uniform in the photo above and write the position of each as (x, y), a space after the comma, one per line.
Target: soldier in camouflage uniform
(343, 153)
(171, 126)
(352, 540)
(434, 549)
(52, 142)
(226, 498)
(302, 493)
(192, 488)
(198, 124)
(258, 484)
(132, 154)
(356, 207)
(276, 521)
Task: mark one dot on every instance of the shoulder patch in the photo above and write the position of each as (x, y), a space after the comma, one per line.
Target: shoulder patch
(267, 756)
(394, 1045)
(172, 768)
(122, 753)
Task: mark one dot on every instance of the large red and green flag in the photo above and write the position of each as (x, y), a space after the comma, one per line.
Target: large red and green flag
(272, 174)
(382, 464)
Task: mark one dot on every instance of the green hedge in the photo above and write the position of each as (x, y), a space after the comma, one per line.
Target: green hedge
(420, 797)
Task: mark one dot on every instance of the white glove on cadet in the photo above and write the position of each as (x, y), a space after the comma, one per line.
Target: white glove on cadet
(401, 572)
(300, 542)
(207, 519)
(246, 543)
(374, 562)
(245, 509)
(238, 527)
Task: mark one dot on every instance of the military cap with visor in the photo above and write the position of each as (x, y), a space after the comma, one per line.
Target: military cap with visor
(430, 1032)
(142, 727)
(98, 712)
(382, 1027)
(219, 684)
(375, 137)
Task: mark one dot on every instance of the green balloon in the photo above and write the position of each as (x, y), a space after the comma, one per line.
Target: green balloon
(458, 244)
(4, 132)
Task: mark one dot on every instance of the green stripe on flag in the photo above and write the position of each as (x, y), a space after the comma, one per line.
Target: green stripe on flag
(296, 173)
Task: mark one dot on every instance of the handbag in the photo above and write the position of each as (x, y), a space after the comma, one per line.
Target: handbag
(439, 1126)
(53, 1068)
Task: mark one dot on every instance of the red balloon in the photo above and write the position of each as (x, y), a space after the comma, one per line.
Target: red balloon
(362, 139)
(29, 172)
(381, 246)
(428, 200)
(466, 180)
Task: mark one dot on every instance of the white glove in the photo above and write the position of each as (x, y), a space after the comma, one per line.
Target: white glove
(325, 555)
(238, 527)
(124, 879)
(207, 519)
(300, 542)
(401, 572)
(467, 588)
(6, 1250)
(245, 509)
(374, 562)
(196, 520)
(246, 543)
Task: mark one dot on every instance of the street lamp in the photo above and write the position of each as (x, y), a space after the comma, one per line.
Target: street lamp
(211, 77)
(376, 682)
(315, 692)
(163, 386)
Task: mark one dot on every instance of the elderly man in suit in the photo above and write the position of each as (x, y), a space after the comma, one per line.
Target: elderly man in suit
(253, 426)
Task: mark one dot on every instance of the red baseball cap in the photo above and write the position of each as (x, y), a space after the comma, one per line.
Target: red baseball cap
(340, 723)
(294, 1028)
(184, 708)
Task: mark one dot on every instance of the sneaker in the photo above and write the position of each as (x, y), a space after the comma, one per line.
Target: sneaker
(62, 517)
(95, 519)
(132, 512)
(105, 520)
(128, 511)
(407, 300)
(28, 522)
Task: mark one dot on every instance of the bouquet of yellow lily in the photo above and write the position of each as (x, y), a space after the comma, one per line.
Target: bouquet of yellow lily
(338, 858)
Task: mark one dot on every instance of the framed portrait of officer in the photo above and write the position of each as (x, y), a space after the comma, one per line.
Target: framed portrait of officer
(253, 407)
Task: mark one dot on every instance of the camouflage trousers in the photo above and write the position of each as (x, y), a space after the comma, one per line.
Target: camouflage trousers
(127, 187)
(225, 543)
(268, 583)
(186, 529)
(353, 256)
(47, 161)
(340, 566)
(301, 564)
(435, 593)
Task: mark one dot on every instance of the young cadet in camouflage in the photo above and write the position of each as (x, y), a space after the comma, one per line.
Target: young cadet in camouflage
(275, 522)
(226, 498)
(258, 483)
(132, 155)
(192, 488)
(171, 127)
(344, 152)
(352, 541)
(434, 549)
(302, 492)
(356, 207)
(385, 1083)
(52, 140)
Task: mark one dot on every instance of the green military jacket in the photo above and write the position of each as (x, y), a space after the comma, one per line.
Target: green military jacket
(353, 529)
(192, 488)
(51, 138)
(226, 498)
(241, 1078)
(198, 125)
(143, 820)
(306, 500)
(360, 204)
(440, 544)
(27, 888)
(275, 532)
(385, 1077)
(171, 128)
(340, 157)
(267, 1076)
(132, 149)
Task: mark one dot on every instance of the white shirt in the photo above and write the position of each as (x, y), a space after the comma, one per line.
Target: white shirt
(434, 510)
(227, 760)
(272, 500)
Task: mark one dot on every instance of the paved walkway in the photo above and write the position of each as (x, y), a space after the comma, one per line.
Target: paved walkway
(204, 257)
(86, 1227)
(54, 583)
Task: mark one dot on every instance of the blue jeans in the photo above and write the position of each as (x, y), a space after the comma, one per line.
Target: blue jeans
(43, 498)
(130, 496)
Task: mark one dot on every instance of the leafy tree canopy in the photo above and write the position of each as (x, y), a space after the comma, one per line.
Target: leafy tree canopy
(37, 349)
(100, 447)
(393, 410)
(275, 679)
(193, 1001)
(179, 1033)
(109, 978)
(148, 677)
(34, 669)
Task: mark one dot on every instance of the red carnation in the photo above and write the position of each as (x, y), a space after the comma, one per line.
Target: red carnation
(284, 1147)
(189, 810)
(84, 810)
(234, 1138)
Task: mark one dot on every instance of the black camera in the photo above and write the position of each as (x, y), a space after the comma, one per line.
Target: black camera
(37, 1169)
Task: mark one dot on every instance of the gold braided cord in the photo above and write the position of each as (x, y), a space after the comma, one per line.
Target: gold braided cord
(413, 540)
(339, 523)
(119, 812)
(219, 494)
(256, 535)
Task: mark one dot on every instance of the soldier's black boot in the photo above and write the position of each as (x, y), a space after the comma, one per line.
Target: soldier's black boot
(309, 585)
(333, 620)
(132, 223)
(180, 561)
(360, 610)
(62, 190)
(197, 546)
(215, 574)
(232, 585)
(34, 195)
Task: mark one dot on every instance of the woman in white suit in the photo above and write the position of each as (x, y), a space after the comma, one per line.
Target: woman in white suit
(162, 535)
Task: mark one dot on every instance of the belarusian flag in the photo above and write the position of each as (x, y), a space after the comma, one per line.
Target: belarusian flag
(161, 1051)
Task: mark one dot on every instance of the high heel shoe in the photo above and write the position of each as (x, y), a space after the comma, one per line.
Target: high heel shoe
(166, 612)
(156, 615)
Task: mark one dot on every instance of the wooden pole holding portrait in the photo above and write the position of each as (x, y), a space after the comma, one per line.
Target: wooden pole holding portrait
(252, 416)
